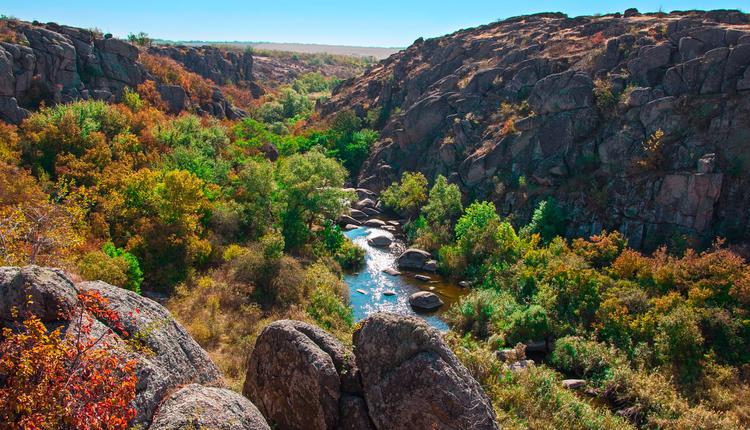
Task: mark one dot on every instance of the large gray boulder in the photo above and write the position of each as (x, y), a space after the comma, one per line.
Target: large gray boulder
(197, 407)
(46, 293)
(562, 92)
(173, 357)
(297, 376)
(412, 380)
(167, 358)
(425, 301)
(414, 258)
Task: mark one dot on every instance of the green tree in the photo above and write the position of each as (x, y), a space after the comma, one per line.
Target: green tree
(444, 204)
(407, 196)
(311, 187)
(548, 220)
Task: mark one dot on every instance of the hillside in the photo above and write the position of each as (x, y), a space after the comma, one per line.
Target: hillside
(637, 123)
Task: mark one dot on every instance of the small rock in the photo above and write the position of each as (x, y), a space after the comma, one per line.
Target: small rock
(358, 214)
(389, 293)
(371, 211)
(394, 223)
(536, 346)
(521, 365)
(425, 300)
(424, 278)
(350, 227)
(430, 266)
(361, 291)
(573, 384)
(379, 240)
(464, 284)
(347, 220)
(364, 203)
(391, 271)
(390, 228)
(374, 223)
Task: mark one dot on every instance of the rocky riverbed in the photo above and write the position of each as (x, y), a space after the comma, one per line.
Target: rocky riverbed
(372, 289)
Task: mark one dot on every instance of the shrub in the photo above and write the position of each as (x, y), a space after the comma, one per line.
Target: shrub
(408, 195)
(600, 250)
(653, 149)
(583, 358)
(444, 203)
(51, 381)
(548, 220)
(604, 96)
(132, 99)
(529, 324)
(679, 343)
(140, 39)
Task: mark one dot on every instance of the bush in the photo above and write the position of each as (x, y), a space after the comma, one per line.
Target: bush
(51, 381)
(583, 358)
(408, 195)
(548, 220)
(529, 324)
(605, 98)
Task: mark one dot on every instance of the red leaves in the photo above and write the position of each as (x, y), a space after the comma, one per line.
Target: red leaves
(74, 382)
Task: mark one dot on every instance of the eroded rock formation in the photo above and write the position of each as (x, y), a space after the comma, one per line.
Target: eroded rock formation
(400, 376)
(582, 97)
(174, 373)
(51, 63)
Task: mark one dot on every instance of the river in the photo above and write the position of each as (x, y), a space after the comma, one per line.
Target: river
(371, 280)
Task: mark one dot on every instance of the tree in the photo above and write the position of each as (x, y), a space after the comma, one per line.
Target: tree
(311, 187)
(257, 194)
(476, 218)
(444, 204)
(548, 220)
(407, 196)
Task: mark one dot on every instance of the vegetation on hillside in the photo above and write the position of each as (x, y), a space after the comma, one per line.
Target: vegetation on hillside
(232, 220)
(661, 340)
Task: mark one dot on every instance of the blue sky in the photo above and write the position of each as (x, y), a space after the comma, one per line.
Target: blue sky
(372, 23)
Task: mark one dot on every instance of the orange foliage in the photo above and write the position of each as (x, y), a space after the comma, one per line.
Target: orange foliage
(171, 72)
(148, 92)
(238, 96)
(600, 250)
(51, 381)
(598, 38)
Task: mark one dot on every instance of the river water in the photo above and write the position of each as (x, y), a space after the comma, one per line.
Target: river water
(371, 279)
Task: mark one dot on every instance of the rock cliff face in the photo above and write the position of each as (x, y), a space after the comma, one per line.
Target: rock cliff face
(550, 105)
(178, 384)
(400, 376)
(220, 66)
(51, 63)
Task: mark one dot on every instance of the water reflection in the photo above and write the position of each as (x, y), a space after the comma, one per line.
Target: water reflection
(374, 283)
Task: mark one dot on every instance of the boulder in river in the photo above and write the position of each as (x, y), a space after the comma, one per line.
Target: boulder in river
(430, 266)
(364, 193)
(412, 380)
(346, 219)
(425, 301)
(358, 214)
(391, 271)
(379, 240)
(414, 258)
(374, 222)
(423, 278)
(371, 211)
(364, 203)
